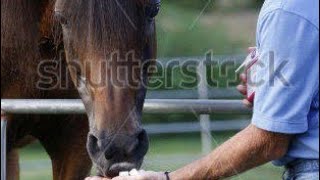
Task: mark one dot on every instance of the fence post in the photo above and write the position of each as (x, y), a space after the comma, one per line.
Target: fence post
(3, 145)
(204, 118)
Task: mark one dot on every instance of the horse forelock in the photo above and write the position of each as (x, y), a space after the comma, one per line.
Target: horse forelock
(105, 25)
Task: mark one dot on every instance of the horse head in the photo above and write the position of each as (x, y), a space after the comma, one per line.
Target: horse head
(108, 47)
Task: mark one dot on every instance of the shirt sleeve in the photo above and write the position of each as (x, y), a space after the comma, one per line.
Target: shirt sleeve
(288, 73)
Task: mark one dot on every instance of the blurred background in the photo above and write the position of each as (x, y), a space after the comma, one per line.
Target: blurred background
(187, 28)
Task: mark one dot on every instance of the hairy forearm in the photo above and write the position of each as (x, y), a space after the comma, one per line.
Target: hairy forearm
(248, 149)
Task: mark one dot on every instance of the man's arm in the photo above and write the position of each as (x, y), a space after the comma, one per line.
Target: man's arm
(248, 149)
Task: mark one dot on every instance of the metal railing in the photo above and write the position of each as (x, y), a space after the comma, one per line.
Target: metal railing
(63, 106)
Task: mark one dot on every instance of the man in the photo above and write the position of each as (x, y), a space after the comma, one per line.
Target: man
(285, 123)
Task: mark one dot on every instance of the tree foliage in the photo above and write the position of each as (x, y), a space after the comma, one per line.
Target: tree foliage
(217, 4)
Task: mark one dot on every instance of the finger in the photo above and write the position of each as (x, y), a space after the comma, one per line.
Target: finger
(90, 178)
(94, 178)
(251, 49)
(247, 103)
(242, 89)
(120, 178)
(134, 172)
(243, 77)
(127, 178)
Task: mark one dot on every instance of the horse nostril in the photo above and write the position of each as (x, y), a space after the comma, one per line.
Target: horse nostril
(142, 137)
(92, 144)
(93, 140)
(143, 144)
(110, 152)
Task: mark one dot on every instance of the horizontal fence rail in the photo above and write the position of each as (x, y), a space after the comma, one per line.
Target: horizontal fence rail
(161, 106)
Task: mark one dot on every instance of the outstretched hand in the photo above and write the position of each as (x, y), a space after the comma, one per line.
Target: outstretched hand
(141, 175)
(97, 178)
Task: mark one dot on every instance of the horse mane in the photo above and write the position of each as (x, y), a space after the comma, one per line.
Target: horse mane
(16, 23)
(19, 36)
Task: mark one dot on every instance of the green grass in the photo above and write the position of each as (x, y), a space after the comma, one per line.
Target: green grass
(167, 152)
(34, 163)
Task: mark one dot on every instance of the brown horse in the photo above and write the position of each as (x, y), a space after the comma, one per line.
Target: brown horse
(105, 44)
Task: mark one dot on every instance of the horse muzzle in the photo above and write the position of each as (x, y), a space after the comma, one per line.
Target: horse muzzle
(116, 153)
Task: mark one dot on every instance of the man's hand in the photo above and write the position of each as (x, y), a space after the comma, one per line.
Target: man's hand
(97, 178)
(142, 175)
(242, 88)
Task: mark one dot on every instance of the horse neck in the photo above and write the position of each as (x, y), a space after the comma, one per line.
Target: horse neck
(21, 28)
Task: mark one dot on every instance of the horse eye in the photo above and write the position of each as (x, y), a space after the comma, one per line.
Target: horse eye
(61, 18)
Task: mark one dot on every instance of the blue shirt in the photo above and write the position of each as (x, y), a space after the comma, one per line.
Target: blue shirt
(287, 94)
